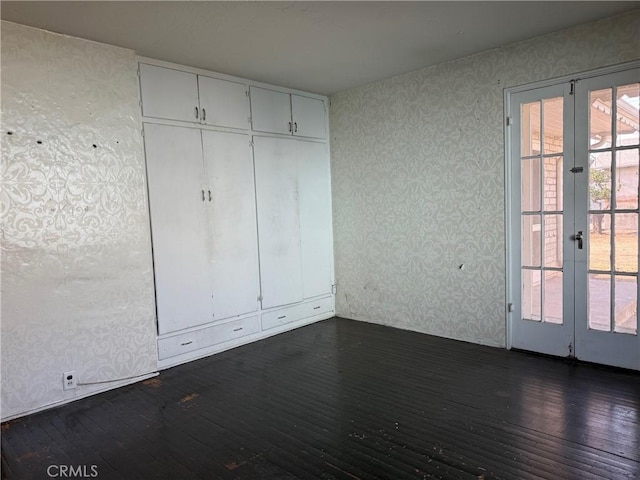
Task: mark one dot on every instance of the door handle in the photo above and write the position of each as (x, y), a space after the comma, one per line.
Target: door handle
(295, 127)
(578, 238)
(204, 115)
(203, 195)
(209, 194)
(196, 112)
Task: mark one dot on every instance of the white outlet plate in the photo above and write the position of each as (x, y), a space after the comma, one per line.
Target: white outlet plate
(69, 380)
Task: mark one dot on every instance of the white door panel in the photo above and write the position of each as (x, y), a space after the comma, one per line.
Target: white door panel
(308, 116)
(223, 103)
(541, 222)
(574, 162)
(270, 111)
(607, 214)
(178, 226)
(168, 93)
(277, 193)
(315, 218)
(232, 223)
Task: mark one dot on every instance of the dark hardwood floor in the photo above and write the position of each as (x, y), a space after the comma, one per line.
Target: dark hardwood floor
(346, 400)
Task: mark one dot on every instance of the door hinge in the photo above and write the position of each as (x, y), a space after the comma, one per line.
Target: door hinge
(260, 298)
(334, 289)
(508, 121)
(510, 307)
(572, 88)
(570, 349)
(577, 170)
(246, 92)
(251, 143)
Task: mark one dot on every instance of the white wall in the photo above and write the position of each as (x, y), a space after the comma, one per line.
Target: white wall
(77, 285)
(418, 182)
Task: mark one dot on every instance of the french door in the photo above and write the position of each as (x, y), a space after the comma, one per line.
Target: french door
(573, 166)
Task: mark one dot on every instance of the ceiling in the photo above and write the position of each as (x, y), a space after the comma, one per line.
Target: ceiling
(320, 47)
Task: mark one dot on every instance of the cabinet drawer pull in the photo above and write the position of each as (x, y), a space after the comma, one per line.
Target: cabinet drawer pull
(281, 317)
(196, 112)
(187, 343)
(237, 329)
(203, 195)
(204, 115)
(289, 126)
(295, 127)
(316, 308)
(209, 195)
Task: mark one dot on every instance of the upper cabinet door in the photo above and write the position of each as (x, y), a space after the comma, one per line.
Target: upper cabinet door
(270, 111)
(223, 103)
(308, 117)
(168, 93)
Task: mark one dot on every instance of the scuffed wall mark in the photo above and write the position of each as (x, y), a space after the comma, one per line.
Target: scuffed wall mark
(233, 465)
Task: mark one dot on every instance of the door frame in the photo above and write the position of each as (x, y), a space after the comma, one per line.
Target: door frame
(508, 191)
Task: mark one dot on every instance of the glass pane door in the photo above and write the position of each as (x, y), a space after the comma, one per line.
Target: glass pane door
(574, 171)
(540, 156)
(607, 144)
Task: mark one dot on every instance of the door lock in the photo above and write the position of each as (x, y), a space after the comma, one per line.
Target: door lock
(578, 238)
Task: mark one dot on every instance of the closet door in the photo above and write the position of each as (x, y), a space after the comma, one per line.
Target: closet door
(308, 117)
(270, 111)
(168, 93)
(223, 103)
(276, 167)
(232, 223)
(315, 218)
(181, 249)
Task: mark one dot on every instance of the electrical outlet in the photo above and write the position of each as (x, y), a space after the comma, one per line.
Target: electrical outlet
(69, 380)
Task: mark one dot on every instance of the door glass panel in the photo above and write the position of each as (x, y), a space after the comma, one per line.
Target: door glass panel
(531, 231)
(530, 135)
(530, 196)
(627, 98)
(626, 242)
(553, 241)
(626, 289)
(553, 297)
(600, 118)
(553, 132)
(627, 179)
(600, 242)
(531, 295)
(599, 313)
(600, 181)
(553, 183)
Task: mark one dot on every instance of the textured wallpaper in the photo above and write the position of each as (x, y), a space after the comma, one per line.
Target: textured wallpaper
(418, 182)
(77, 284)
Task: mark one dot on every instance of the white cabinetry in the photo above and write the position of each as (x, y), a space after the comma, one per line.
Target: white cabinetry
(240, 206)
(203, 225)
(288, 114)
(294, 219)
(176, 95)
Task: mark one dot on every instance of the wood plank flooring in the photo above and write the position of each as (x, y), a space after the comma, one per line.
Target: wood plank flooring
(346, 400)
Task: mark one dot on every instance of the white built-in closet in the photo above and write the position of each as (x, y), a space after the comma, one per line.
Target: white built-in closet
(240, 205)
